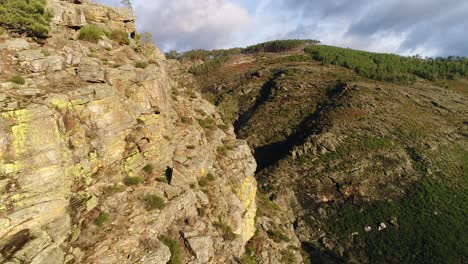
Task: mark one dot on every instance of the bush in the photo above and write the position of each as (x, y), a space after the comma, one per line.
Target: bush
(206, 180)
(131, 181)
(101, 219)
(154, 202)
(141, 64)
(148, 168)
(177, 253)
(226, 230)
(29, 17)
(120, 37)
(17, 79)
(91, 33)
(278, 236)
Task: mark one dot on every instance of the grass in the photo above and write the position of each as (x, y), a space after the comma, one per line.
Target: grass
(113, 189)
(17, 79)
(91, 33)
(208, 123)
(203, 182)
(226, 230)
(432, 226)
(132, 181)
(141, 64)
(223, 150)
(154, 202)
(101, 219)
(278, 236)
(357, 144)
(148, 168)
(201, 211)
(120, 37)
(177, 252)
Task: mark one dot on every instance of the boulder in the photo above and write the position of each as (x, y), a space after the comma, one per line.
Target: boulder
(161, 255)
(91, 71)
(201, 247)
(15, 44)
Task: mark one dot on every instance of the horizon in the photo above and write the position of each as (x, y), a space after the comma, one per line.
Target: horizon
(395, 26)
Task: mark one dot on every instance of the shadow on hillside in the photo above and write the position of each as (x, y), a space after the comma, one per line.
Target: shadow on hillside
(312, 124)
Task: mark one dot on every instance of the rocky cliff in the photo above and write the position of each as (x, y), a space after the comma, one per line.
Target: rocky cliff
(103, 160)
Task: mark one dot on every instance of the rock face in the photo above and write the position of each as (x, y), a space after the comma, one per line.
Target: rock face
(89, 139)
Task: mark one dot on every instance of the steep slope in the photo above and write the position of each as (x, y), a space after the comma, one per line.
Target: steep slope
(105, 159)
(368, 171)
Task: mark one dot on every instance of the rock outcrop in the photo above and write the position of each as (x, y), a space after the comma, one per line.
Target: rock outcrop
(100, 159)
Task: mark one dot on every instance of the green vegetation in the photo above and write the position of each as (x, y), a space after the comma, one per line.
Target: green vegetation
(119, 36)
(278, 236)
(141, 64)
(431, 226)
(279, 45)
(428, 225)
(177, 252)
(288, 257)
(17, 80)
(223, 150)
(154, 202)
(248, 257)
(358, 144)
(101, 219)
(91, 33)
(206, 180)
(208, 123)
(226, 230)
(148, 168)
(389, 67)
(113, 189)
(29, 17)
(131, 181)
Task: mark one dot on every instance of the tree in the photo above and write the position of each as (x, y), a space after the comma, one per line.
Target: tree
(29, 17)
(127, 4)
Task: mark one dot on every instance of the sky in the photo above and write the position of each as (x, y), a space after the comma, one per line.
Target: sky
(406, 27)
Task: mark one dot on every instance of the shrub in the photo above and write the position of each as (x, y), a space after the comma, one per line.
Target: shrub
(148, 168)
(207, 123)
(141, 64)
(120, 37)
(130, 181)
(223, 150)
(278, 236)
(226, 230)
(91, 33)
(154, 202)
(177, 253)
(206, 180)
(17, 79)
(29, 17)
(109, 190)
(101, 219)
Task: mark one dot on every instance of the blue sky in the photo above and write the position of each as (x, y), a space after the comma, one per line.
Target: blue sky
(407, 27)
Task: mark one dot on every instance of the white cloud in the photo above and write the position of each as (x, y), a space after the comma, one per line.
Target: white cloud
(188, 24)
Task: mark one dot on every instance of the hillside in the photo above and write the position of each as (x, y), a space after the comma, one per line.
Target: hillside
(366, 153)
(103, 157)
(281, 152)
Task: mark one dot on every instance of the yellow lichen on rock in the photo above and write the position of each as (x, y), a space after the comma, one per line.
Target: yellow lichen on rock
(20, 134)
(246, 194)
